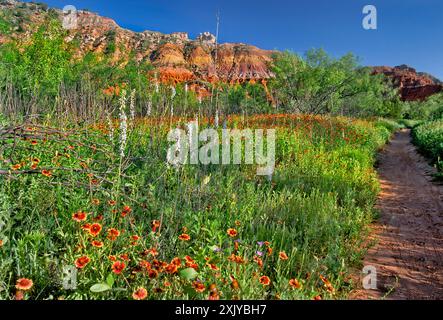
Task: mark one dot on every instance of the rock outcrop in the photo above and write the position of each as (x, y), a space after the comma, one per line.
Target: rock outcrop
(412, 85)
(176, 57)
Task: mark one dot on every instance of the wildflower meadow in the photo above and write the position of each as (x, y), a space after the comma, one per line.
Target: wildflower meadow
(99, 213)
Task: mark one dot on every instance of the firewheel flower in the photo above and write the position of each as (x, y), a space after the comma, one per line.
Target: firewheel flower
(95, 229)
(47, 173)
(140, 294)
(155, 224)
(24, 284)
(264, 280)
(171, 268)
(113, 234)
(97, 244)
(198, 286)
(184, 237)
(118, 267)
(232, 232)
(294, 283)
(126, 210)
(16, 167)
(283, 256)
(82, 262)
(79, 216)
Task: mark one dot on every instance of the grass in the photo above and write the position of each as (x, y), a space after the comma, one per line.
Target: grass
(197, 232)
(410, 123)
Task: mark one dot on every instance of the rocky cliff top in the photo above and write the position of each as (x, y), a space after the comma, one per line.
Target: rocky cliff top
(413, 85)
(177, 57)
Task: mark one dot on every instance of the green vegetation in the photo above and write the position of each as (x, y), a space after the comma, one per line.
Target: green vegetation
(430, 109)
(429, 138)
(43, 76)
(234, 229)
(320, 84)
(425, 119)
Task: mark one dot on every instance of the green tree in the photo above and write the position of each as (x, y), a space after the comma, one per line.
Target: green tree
(319, 84)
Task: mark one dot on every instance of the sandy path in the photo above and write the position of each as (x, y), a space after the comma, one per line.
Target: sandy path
(408, 255)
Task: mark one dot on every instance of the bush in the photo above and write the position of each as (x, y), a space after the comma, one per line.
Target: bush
(429, 139)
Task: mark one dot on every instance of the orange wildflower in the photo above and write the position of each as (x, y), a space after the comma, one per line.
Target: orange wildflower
(24, 284)
(95, 202)
(19, 295)
(153, 252)
(126, 211)
(152, 273)
(95, 229)
(264, 280)
(118, 267)
(112, 202)
(113, 234)
(236, 259)
(16, 167)
(234, 283)
(145, 264)
(124, 256)
(97, 244)
(294, 283)
(259, 261)
(232, 232)
(47, 173)
(283, 256)
(82, 262)
(98, 218)
(328, 284)
(155, 224)
(176, 261)
(140, 294)
(184, 237)
(171, 268)
(190, 263)
(79, 216)
(212, 266)
(213, 292)
(198, 286)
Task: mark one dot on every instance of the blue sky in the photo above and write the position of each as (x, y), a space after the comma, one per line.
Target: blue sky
(409, 31)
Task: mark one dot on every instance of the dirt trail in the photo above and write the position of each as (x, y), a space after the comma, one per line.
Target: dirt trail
(408, 254)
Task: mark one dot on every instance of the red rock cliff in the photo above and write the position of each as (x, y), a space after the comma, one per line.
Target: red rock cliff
(412, 85)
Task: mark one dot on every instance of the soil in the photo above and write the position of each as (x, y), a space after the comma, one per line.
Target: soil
(408, 254)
